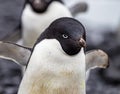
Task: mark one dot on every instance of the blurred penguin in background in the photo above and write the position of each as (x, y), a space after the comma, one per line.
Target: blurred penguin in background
(38, 15)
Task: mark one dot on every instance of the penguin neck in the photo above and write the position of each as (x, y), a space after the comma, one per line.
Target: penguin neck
(52, 71)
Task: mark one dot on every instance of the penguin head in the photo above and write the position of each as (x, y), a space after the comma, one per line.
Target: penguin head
(69, 32)
(41, 5)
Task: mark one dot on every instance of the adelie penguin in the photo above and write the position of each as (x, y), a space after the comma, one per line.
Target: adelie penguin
(37, 16)
(56, 63)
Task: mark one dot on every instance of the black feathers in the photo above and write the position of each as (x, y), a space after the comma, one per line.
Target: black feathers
(68, 32)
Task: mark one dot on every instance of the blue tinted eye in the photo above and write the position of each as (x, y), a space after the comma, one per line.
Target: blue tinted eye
(64, 36)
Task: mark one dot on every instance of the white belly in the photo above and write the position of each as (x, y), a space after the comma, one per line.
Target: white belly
(49, 73)
(34, 24)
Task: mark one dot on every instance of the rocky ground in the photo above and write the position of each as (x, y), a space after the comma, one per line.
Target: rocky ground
(100, 81)
(10, 77)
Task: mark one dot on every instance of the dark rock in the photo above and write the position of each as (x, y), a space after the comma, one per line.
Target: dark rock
(11, 90)
(1, 90)
(97, 85)
(10, 77)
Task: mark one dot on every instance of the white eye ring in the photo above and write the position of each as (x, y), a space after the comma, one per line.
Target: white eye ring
(65, 36)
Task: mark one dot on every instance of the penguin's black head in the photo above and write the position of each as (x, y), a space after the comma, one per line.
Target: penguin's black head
(40, 5)
(69, 32)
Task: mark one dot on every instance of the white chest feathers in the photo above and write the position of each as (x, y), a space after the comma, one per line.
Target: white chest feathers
(51, 71)
(34, 24)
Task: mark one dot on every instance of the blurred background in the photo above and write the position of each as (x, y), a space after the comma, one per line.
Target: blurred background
(102, 23)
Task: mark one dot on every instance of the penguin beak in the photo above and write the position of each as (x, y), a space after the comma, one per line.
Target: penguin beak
(37, 2)
(82, 42)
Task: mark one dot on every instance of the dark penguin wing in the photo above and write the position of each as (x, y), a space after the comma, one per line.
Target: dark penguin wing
(78, 8)
(96, 59)
(14, 52)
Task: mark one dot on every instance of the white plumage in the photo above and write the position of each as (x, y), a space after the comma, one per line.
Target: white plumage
(49, 73)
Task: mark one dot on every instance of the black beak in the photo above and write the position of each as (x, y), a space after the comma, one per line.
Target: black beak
(37, 2)
(82, 42)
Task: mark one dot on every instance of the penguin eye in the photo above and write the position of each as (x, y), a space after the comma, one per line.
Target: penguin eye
(64, 36)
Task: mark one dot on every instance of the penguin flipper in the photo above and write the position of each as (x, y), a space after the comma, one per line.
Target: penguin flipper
(78, 8)
(14, 52)
(96, 59)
